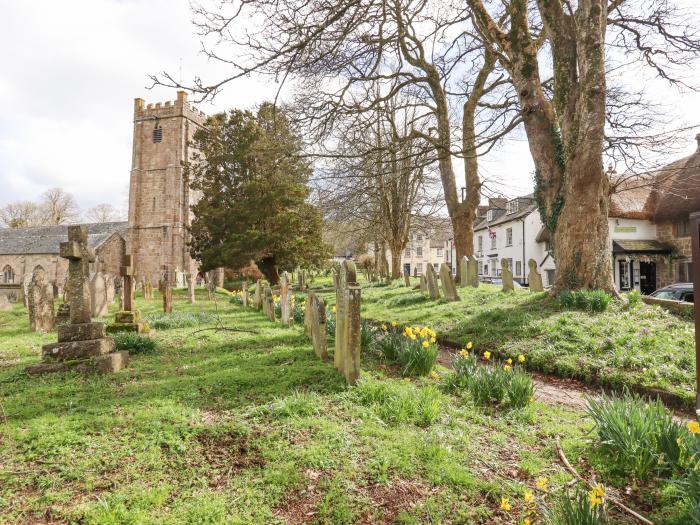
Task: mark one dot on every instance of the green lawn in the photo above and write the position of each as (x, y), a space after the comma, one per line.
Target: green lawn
(646, 348)
(235, 427)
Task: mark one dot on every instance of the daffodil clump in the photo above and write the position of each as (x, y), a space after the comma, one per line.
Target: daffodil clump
(414, 348)
(237, 297)
(298, 309)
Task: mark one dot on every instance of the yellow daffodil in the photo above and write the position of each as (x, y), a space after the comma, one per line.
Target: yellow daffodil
(521, 358)
(507, 368)
(384, 327)
(595, 496)
(527, 521)
(463, 353)
(406, 379)
(393, 323)
(334, 309)
(412, 337)
(505, 505)
(432, 339)
(529, 496)
(426, 344)
(434, 374)
(470, 345)
(694, 427)
(541, 483)
(487, 355)
(509, 361)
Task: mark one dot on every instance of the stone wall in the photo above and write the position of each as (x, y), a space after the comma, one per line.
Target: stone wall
(667, 271)
(110, 254)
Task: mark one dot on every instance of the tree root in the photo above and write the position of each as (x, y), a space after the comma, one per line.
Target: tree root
(615, 502)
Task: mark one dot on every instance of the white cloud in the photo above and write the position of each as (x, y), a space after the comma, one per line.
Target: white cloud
(70, 72)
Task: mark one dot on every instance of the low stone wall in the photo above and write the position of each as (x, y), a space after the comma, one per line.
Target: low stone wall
(674, 306)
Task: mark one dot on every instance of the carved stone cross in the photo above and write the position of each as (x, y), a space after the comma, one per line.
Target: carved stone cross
(80, 256)
(127, 272)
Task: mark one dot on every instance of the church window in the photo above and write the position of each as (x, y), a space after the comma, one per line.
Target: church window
(8, 275)
(154, 204)
(157, 134)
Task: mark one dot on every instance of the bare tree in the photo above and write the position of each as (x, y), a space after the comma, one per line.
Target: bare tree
(103, 213)
(21, 214)
(59, 207)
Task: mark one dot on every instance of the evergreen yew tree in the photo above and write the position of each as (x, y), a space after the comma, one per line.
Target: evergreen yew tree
(253, 182)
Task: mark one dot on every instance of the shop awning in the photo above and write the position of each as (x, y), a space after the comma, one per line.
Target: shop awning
(640, 246)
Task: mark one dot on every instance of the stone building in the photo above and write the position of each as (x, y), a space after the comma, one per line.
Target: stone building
(159, 193)
(23, 249)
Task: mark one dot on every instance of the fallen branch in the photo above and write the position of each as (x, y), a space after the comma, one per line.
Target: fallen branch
(615, 502)
(224, 329)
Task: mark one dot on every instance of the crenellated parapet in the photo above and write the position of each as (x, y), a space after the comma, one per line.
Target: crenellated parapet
(161, 110)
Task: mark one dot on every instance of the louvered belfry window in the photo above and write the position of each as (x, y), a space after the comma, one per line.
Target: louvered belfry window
(157, 134)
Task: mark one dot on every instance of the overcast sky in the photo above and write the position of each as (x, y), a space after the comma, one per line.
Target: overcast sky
(70, 69)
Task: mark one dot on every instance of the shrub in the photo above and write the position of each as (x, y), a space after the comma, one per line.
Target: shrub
(634, 298)
(135, 343)
(590, 300)
(178, 320)
(640, 437)
(578, 508)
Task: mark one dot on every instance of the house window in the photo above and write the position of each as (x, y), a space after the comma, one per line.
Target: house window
(513, 206)
(419, 268)
(491, 215)
(493, 241)
(683, 228)
(419, 237)
(550, 277)
(510, 264)
(419, 251)
(436, 267)
(486, 268)
(407, 253)
(624, 275)
(509, 236)
(479, 267)
(439, 252)
(8, 275)
(685, 272)
(480, 243)
(518, 267)
(157, 134)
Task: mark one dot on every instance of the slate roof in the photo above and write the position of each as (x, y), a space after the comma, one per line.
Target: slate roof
(45, 239)
(523, 211)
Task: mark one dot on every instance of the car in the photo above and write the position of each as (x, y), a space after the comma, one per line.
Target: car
(676, 292)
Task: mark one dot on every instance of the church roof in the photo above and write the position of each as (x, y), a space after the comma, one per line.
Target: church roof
(45, 239)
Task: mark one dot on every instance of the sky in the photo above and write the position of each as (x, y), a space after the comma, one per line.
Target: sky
(69, 72)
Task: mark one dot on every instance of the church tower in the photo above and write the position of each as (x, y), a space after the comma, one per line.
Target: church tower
(159, 195)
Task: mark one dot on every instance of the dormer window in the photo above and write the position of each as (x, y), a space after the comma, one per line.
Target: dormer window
(491, 214)
(157, 134)
(512, 206)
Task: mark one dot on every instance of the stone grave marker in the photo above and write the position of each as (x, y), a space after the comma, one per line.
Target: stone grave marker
(258, 299)
(40, 302)
(431, 278)
(63, 314)
(534, 277)
(302, 280)
(347, 324)
(316, 327)
(98, 295)
(268, 303)
(25, 288)
(166, 289)
(190, 288)
(464, 271)
(472, 272)
(336, 277)
(423, 284)
(5, 305)
(82, 345)
(407, 278)
(244, 294)
(110, 288)
(128, 319)
(286, 299)
(449, 289)
(506, 276)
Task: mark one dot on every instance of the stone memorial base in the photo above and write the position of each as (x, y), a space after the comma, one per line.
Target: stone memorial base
(128, 322)
(81, 347)
(63, 314)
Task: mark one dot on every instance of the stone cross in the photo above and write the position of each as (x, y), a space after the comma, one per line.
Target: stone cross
(79, 257)
(448, 285)
(40, 302)
(315, 324)
(347, 324)
(285, 299)
(534, 277)
(126, 270)
(506, 276)
(431, 278)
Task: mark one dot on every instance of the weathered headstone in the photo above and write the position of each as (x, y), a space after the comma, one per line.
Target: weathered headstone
(336, 277)
(82, 345)
(449, 289)
(423, 284)
(285, 299)
(473, 272)
(40, 302)
(25, 288)
(315, 324)
(147, 290)
(244, 294)
(302, 280)
(534, 277)
(128, 319)
(506, 276)
(5, 305)
(464, 271)
(110, 288)
(407, 278)
(347, 324)
(268, 303)
(165, 287)
(431, 278)
(258, 295)
(98, 295)
(190, 288)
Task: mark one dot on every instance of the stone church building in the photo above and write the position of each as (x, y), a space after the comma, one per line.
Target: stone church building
(159, 210)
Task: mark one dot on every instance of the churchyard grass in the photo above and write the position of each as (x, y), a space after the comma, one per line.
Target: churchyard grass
(238, 427)
(643, 347)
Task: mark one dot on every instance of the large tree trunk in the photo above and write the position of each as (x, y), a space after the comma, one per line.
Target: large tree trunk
(268, 267)
(395, 261)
